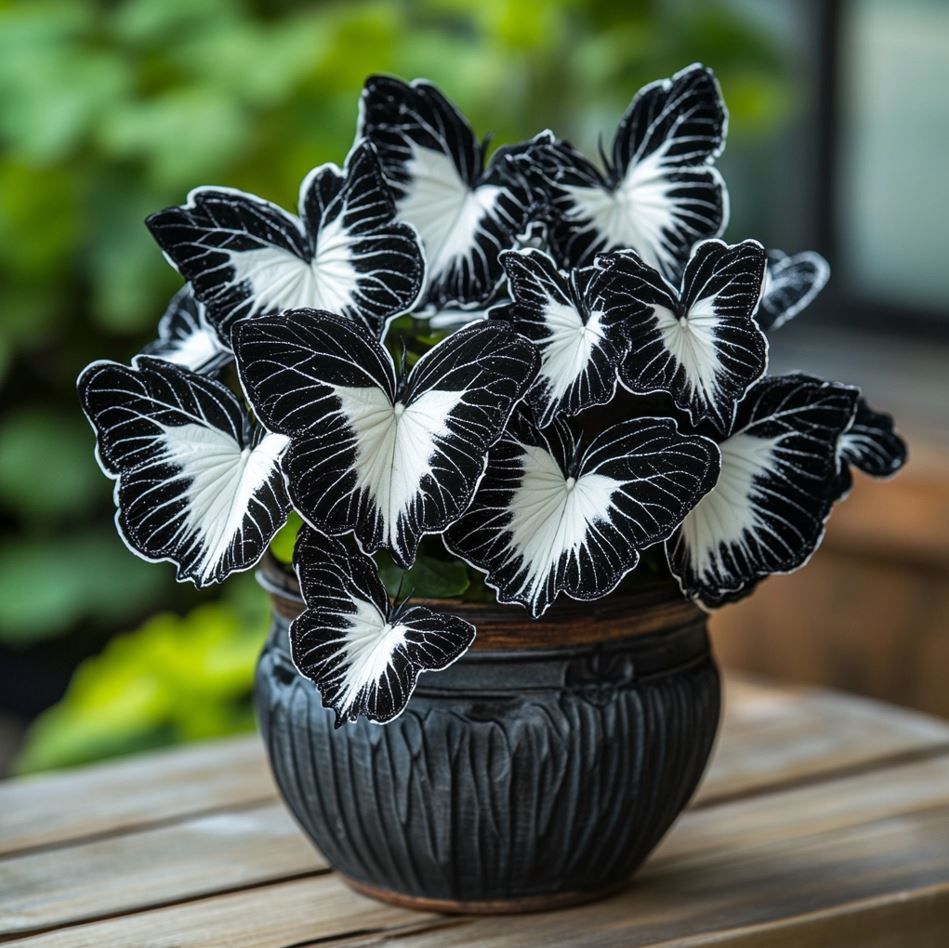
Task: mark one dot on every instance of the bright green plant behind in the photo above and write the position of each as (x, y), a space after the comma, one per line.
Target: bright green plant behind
(176, 678)
(109, 111)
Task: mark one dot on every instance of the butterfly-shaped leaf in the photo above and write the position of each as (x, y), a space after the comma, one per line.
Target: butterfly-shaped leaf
(194, 484)
(465, 213)
(577, 321)
(871, 445)
(185, 337)
(363, 654)
(659, 194)
(549, 518)
(701, 343)
(791, 284)
(766, 513)
(345, 252)
(391, 459)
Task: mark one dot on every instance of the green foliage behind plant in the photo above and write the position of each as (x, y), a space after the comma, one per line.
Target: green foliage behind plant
(176, 678)
(111, 110)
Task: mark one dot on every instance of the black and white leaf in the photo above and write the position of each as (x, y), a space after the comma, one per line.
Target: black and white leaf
(701, 343)
(344, 251)
(549, 517)
(871, 445)
(363, 654)
(390, 459)
(790, 285)
(186, 339)
(195, 484)
(660, 192)
(577, 320)
(453, 317)
(766, 513)
(466, 213)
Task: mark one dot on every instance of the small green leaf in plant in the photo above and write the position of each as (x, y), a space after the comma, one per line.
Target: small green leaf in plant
(430, 577)
(281, 546)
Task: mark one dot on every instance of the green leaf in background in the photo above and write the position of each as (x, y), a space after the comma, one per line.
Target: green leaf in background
(183, 134)
(218, 57)
(42, 476)
(44, 68)
(48, 584)
(146, 23)
(129, 292)
(28, 195)
(175, 678)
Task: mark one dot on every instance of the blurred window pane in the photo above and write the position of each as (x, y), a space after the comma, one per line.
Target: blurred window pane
(894, 199)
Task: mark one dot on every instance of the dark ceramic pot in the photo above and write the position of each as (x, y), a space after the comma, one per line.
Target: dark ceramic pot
(538, 770)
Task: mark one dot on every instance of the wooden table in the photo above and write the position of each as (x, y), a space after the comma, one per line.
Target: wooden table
(824, 820)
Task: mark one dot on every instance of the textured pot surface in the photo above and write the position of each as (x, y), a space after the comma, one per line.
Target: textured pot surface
(539, 769)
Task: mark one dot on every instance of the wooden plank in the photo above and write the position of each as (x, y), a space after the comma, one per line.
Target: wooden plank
(144, 789)
(769, 735)
(144, 870)
(772, 736)
(804, 860)
(293, 913)
(201, 856)
(770, 820)
(811, 885)
(879, 629)
(884, 922)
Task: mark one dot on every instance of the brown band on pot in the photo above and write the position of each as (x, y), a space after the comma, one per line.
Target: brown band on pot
(654, 610)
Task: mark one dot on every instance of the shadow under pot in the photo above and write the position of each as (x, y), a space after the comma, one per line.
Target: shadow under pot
(537, 771)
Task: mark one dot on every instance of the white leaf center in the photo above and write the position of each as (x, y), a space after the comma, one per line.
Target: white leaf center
(729, 512)
(551, 515)
(193, 351)
(446, 212)
(395, 445)
(223, 481)
(566, 350)
(635, 214)
(279, 279)
(367, 650)
(691, 342)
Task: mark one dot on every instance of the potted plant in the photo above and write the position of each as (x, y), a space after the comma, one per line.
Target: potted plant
(520, 408)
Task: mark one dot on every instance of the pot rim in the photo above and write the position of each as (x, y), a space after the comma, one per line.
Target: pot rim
(656, 609)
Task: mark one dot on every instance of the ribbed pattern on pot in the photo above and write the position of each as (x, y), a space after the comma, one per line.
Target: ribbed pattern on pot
(530, 791)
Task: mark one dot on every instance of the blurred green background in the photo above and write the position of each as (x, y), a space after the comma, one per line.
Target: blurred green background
(109, 111)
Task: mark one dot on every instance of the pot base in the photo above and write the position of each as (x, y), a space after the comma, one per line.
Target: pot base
(516, 906)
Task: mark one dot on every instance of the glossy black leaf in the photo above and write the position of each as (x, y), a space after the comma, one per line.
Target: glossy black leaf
(549, 518)
(699, 343)
(767, 510)
(389, 459)
(466, 213)
(345, 252)
(363, 654)
(659, 193)
(195, 484)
